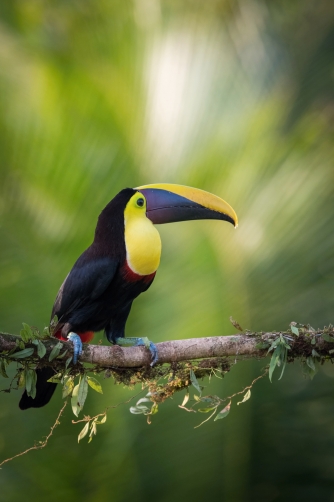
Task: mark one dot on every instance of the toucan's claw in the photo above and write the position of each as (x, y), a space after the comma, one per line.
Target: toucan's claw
(151, 346)
(77, 346)
(140, 342)
(154, 352)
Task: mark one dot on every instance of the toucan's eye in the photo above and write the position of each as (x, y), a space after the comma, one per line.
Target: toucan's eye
(140, 202)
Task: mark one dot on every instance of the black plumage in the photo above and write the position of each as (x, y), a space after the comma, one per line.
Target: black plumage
(44, 390)
(96, 295)
(98, 292)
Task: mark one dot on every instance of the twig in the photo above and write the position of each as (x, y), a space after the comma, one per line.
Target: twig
(248, 386)
(42, 443)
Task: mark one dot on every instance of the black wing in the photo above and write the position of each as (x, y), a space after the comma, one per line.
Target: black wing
(86, 282)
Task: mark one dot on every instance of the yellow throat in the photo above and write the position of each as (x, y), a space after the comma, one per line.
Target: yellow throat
(142, 239)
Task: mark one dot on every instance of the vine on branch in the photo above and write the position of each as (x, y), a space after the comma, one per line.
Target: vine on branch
(181, 365)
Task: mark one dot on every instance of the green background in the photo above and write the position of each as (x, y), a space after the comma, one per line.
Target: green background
(232, 97)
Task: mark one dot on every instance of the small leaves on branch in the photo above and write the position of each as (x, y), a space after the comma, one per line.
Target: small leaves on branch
(211, 404)
(35, 349)
(55, 351)
(187, 362)
(279, 358)
(91, 423)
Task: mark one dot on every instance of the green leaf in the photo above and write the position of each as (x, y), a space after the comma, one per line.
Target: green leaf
(154, 409)
(206, 410)
(31, 380)
(63, 354)
(68, 362)
(46, 332)
(283, 363)
(33, 385)
(307, 370)
(94, 384)
(84, 432)
(246, 397)
(55, 351)
(28, 380)
(41, 349)
(310, 363)
(26, 333)
(194, 381)
(327, 337)
(224, 412)
(21, 382)
(294, 330)
(284, 342)
(331, 351)
(22, 354)
(273, 364)
(55, 378)
(273, 345)
(68, 387)
(315, 353)
(313, 341)
(82, 392)
(76, 408)
(279, 356)
(3, 366)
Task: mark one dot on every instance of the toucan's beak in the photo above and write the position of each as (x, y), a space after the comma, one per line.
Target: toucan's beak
(167, 203)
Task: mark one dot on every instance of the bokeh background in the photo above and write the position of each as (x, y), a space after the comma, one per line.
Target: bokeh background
(232, 97)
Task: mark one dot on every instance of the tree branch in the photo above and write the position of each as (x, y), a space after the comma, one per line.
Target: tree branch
(193, 348)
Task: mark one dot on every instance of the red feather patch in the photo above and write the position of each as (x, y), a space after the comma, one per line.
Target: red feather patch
(131, 276)
(86, 336)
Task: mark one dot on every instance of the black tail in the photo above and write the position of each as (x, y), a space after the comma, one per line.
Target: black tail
(44, 390)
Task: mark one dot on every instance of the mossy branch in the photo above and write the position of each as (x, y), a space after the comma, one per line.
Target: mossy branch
(187, 360)
(249, 344)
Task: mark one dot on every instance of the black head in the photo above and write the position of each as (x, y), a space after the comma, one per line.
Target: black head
(110, 224)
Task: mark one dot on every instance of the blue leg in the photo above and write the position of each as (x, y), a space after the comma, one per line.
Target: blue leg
(77, 346)
(135, 342)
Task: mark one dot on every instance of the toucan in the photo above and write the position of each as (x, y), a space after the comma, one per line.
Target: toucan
(120, 264)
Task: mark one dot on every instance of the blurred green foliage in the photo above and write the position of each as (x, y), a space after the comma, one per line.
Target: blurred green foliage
(232, 97)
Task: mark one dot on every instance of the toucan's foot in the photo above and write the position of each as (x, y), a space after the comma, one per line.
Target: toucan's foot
(142, 341)
(77, 346)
